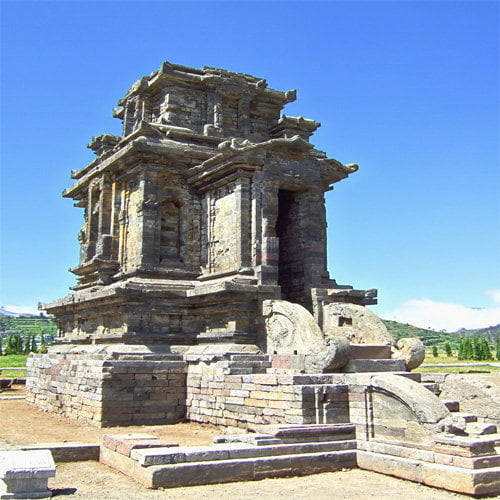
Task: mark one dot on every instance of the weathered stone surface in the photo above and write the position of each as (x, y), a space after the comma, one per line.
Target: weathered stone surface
(24, 474)
(203, 293)
(367, 351)
(423, 404)
(328, 355)
(412, 350)
(67, 452)
(356, 323)
(374, 365)
(290, 328)
(209, 203)
(479, 394)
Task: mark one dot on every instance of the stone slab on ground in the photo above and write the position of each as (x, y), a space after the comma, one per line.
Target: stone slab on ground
(221, 471)
(234, 450)
(25, 474)
(126, 443)
(484, 481)
(67, 452)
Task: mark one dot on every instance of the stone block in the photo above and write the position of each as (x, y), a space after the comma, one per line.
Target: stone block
(375, 365)
(470, 482)
(25, 474)
(365, 351)
(465, 446)
(189, 474)
(391, 465)
(67, 452)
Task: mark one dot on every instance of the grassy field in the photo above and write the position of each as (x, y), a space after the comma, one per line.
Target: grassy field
(458, 369)
(13, 361)
(447, 360)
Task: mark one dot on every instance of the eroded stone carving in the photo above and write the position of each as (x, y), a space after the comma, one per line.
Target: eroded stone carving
(412, 350)
(290, 328)
(356, 323)
(330, 354)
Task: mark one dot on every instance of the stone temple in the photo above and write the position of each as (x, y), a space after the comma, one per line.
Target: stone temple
(210, 203)
(203, 294)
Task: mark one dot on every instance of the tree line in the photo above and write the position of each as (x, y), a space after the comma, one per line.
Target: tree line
(15, 343)
(471, 348)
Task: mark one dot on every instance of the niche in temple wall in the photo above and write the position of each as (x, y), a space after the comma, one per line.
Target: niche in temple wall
(224, 229)
(170, 245)
(130, 230)
(82, 234)
(177, 226)
(89, 233)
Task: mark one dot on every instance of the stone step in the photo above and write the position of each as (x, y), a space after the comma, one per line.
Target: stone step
(66, 452)
(453, 406)
(468, 417)
(423, 455)
(228, 451)
(480, 428)
(467, 446)
(222, 471)
(433, 387)
(464, 480)
(312, 430)
(416, 377)
(250, 357)
(309, 433)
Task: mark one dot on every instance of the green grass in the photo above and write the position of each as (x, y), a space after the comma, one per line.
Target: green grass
(13, 361)
(447, 360)
(457, 369)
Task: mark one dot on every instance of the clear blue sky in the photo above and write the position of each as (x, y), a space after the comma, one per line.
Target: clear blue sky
(409, 90)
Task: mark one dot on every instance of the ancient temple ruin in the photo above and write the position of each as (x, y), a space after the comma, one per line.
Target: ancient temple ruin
(209, 203)
(203, 294)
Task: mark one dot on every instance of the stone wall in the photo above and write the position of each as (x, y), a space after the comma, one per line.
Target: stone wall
(108, 392)
(218, 394)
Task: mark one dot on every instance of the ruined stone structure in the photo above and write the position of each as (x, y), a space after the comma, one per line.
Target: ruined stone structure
(209, 203)
(203, 294)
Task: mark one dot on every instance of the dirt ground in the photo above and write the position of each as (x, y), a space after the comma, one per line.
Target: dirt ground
(91, 480)
(21, 423)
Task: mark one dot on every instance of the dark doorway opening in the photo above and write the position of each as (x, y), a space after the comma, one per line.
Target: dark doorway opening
(290, 267)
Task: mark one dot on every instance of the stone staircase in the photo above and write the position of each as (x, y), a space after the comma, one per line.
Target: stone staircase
(283, 451)
(444, 447)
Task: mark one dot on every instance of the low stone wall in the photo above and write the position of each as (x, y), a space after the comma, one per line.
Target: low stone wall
(219, 397)
(108, 392)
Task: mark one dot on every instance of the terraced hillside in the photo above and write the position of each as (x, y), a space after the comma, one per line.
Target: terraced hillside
(28, 325)
(432, 337)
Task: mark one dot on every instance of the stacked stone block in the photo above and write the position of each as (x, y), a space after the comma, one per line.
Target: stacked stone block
(221, 393)
(66, 384)
(109, 392)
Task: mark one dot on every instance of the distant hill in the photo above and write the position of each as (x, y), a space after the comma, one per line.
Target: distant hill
(432, 337)
(10, 314)
(492, 333)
